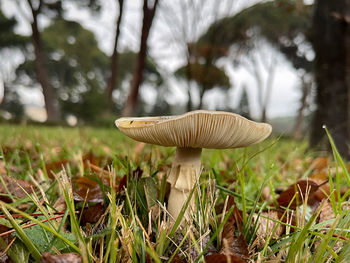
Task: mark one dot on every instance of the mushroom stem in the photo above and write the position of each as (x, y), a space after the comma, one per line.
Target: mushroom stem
(184, 172)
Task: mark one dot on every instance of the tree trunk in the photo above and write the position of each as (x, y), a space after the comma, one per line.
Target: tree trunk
(331, 45)
(269, 84)
(4, 95)
(202, 90)
(114, 59)
(41, 71)
(189, 101)
(148, 15)
(306, 88)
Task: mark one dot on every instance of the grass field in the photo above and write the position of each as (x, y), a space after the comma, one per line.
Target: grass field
(94, 195)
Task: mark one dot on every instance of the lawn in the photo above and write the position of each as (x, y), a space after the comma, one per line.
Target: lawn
(94, 195)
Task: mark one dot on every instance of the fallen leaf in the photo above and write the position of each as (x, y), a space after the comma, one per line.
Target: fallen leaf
(320, 163)
(62, 258)
(86, 188)
(4, 229)
(60, 206)
(326, 214)
(138, 150)
(323, 191)
(233, 245)
(122, 184)
(2, 168)
(3, 257)
(55, 167)
(92, 214)
(177, 259)
(301, 188)
(193, 251)
(14, 186)
(265, 226)
(100, 161)
(137, 173)
(221, 258)
(319, 175)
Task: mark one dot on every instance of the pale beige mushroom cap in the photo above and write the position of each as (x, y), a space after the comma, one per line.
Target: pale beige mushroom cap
(196, 129)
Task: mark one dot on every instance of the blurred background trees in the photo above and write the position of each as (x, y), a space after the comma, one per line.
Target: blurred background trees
(209, 42)
(10, 42)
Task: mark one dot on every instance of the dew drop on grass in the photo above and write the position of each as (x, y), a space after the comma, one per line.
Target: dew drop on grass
(324, 126)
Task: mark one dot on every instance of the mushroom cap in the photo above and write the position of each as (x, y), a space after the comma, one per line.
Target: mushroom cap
(196, 129)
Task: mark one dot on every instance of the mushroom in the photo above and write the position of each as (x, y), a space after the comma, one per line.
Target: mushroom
(190, 133)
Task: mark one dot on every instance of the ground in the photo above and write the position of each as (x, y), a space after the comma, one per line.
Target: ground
(93, 195)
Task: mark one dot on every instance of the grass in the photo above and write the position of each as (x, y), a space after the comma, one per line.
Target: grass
(132, 223)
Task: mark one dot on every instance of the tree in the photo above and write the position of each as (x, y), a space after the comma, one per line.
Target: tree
(206, 76)
(41, 71)
(51, 9)
(331, 41)
(243, 107)
(186, 21)
(282, 24)
(111, 84)
(260, 63)
(306, 86)
(151, 77)
(149, 10)
(9, 43)
(76, 67)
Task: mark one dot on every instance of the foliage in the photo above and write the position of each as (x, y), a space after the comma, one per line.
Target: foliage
(10, 41)
(282, 23)
(206, 76)
(78, 69)
(7, 36)
(12, 104)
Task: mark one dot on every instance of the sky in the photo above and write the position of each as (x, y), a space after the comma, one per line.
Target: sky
(168, 36)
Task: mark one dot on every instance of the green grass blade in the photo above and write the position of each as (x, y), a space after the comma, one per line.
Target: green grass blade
(29, 244)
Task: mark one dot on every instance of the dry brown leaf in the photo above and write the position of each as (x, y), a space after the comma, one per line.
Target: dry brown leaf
(320, 163)
(323, 191)
(177, 259)
(233, 245)
(326, 213)
(14, 185)
(86, 188)
(319, 175)
(62, 258)
(55, 167)
(221, 258)
(60, 206)
(4, 229)
(2, 168)
(266, 226)
(138, 150)
(301, 187)
(100, 161)
(92, 214)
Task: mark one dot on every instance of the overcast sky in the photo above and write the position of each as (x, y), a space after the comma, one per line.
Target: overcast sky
(166, 44)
